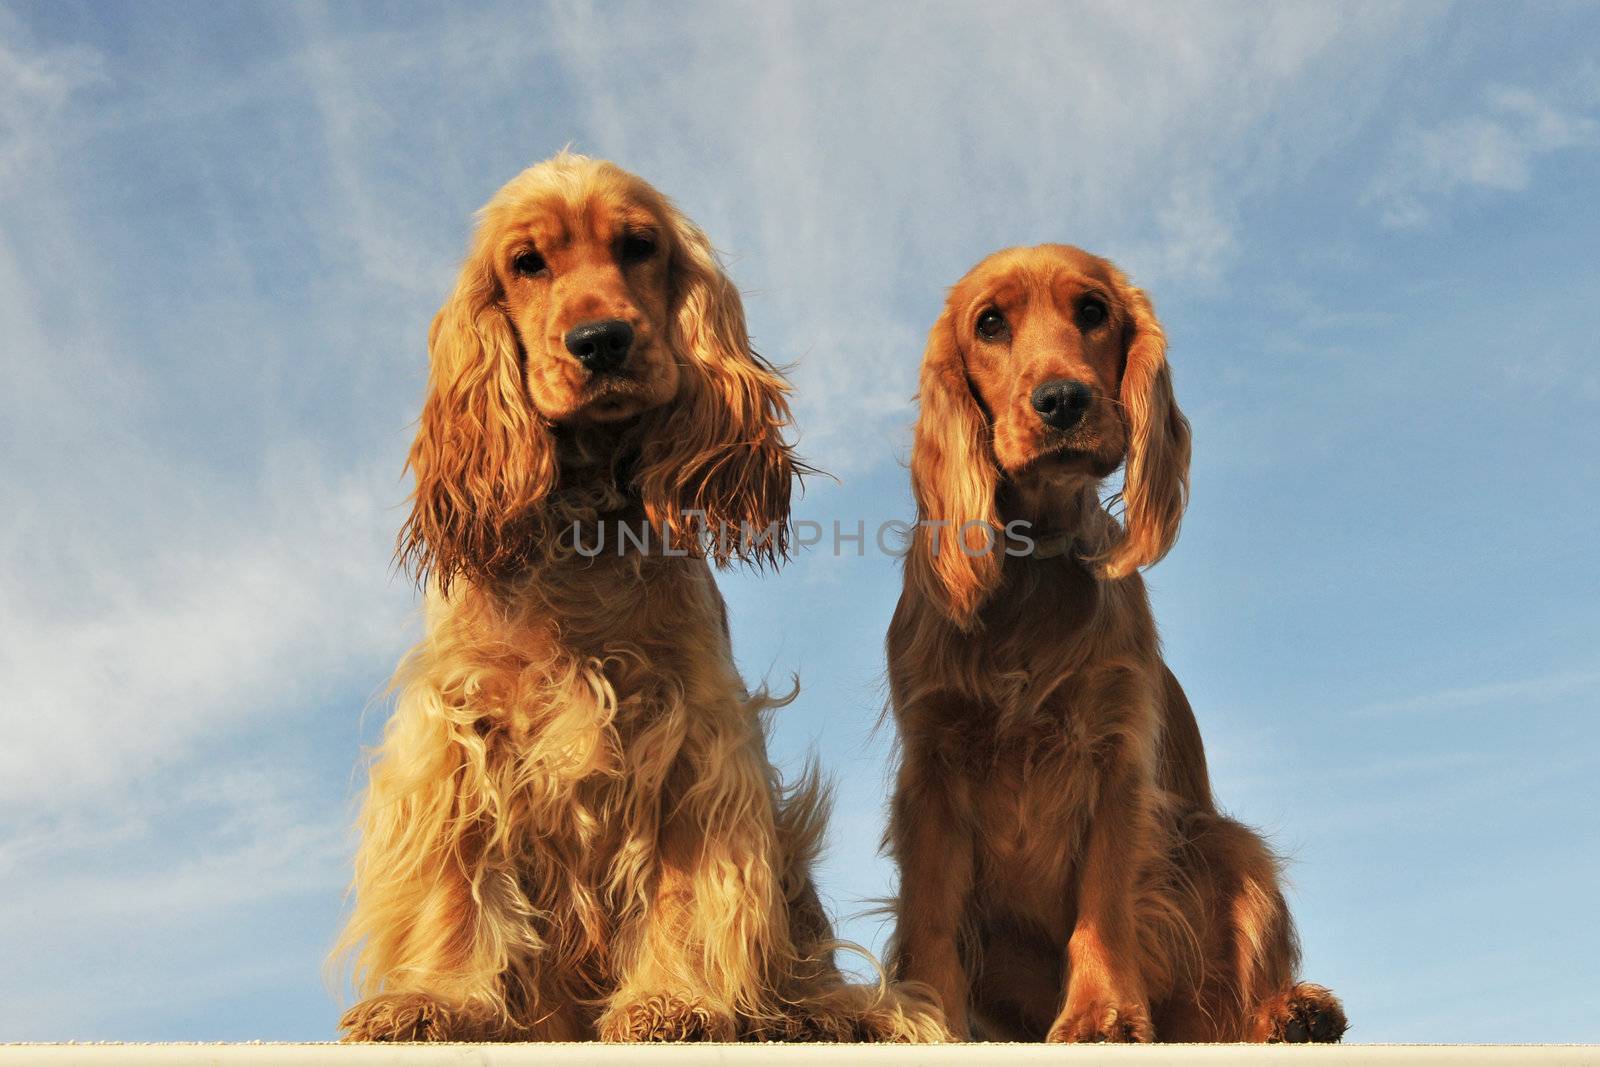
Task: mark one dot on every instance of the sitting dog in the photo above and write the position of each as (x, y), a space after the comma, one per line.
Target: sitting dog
(1065, 873)
(572, 828)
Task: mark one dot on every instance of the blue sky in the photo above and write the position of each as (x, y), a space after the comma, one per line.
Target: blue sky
(1370, 233)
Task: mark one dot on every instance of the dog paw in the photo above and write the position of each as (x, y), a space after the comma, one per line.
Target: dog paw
(1120, 1023)
(1306, 1013)
(663, 1017)
(846, 1013)
(399, 1017)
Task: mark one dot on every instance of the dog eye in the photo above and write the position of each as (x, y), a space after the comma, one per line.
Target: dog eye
(528, 264)
(636, 248)
(991, 325)
(1091, 313)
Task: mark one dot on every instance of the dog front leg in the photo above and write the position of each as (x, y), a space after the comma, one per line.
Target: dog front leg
(427, 943)
(1106, 998)
(700, 961)
(933, 844)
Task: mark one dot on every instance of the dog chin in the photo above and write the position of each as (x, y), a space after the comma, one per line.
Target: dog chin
(1068, 462)
(611, 409)
(613, 400)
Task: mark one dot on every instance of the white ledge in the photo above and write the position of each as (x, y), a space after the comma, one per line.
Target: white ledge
(561, 1055)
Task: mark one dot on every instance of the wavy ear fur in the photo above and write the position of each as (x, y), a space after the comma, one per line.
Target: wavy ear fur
(955, 478)
(719, 458)
(483, 457)
(1156, 478)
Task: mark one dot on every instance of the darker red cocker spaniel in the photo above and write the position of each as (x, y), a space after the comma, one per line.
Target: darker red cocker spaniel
(1065, 872)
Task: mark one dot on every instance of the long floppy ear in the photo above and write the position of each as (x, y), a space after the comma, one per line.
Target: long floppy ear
(718, 465)
(1156, 479)
(954, 560)
(483, 457)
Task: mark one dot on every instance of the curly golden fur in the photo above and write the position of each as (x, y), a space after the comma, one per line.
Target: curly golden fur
(572, 829)
(1065, 873)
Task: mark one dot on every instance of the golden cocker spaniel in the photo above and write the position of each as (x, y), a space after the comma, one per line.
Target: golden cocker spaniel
(1065, 873)
(572, 829)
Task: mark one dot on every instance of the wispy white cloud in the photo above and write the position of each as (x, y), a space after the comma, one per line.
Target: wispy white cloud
(1495, 148)
(243, 616)
(148, 605)
(154, 601)
(195, 600)
(34, 86)
(1519, 692)
(388, 246)
(250, 835)
(198, 866)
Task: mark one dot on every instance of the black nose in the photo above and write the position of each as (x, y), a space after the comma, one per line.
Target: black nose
(1061, 403)
(601, 346)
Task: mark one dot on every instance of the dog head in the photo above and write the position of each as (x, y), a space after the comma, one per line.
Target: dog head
(1046, 369)
(588, 300)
